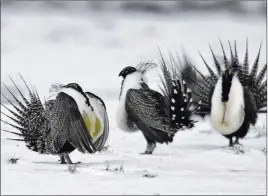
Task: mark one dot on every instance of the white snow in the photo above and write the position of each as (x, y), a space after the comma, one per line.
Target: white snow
(91, 50)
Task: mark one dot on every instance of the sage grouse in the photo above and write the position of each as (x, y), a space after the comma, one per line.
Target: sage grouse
(73, 120)
(233, 96)
(158, 117)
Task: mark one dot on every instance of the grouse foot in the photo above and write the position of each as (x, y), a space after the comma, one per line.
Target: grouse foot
(69, 161)
(62, 160)
(238, 148)
(150, 148)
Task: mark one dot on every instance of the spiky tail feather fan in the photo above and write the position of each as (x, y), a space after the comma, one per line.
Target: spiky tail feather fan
(178, 97)
(196, 83)
(29, 119)
(205, 84)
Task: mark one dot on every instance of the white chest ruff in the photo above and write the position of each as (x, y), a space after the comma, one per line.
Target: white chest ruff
(131, 81)
(230, 121)
(87, 114)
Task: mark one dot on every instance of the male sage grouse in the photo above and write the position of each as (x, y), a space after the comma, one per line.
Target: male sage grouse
(232, 96)
(73, 120)
(157, 116)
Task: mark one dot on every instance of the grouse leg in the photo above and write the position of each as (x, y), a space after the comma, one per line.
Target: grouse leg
(68, 159)
(62, 160)
(151, 145)
(231, 142)
(237, 141)
(236, 146)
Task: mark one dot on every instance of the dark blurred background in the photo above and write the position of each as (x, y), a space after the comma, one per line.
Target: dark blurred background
(155, 7)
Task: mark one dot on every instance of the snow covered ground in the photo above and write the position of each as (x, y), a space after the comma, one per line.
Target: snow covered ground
(91, 49)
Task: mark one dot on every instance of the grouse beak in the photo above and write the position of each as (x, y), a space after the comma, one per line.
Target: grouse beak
(120, 74)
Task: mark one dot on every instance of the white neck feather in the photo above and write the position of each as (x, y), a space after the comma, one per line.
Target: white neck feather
(98, 109)
(234, 114)
(79, 99)
(132, 81)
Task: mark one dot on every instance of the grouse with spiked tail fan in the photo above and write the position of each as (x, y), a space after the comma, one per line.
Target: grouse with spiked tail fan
(73, 120)
(157, 116)
(233, 96)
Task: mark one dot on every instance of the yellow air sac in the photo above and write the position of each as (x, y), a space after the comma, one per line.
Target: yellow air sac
(94, 131)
